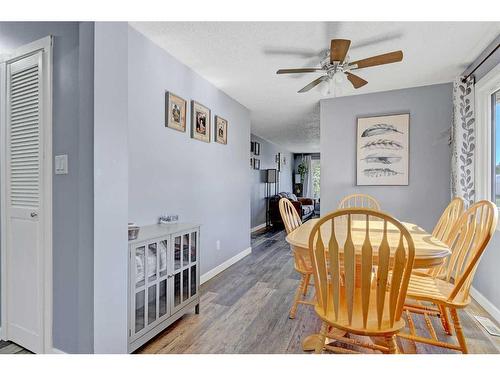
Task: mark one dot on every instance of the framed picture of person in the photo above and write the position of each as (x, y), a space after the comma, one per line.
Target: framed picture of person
(220, 130)
(200, 122)
(175, 112)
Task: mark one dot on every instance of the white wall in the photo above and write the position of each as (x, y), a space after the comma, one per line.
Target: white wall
(205, 183)
(428, 192)
(110, 187)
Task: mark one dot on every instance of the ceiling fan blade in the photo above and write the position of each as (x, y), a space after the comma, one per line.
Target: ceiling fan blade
(386, 58)
(299, 70)
(356, 81)
(314, 83)
(338, 49)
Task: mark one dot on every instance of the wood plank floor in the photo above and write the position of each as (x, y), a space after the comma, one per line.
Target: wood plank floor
(7, 347)
(245, 310)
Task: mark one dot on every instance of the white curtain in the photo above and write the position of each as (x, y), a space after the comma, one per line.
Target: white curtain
(308, 186)
(463, 140)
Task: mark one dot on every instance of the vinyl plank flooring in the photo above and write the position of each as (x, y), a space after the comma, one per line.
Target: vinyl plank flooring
(7, 347)
(245, 310)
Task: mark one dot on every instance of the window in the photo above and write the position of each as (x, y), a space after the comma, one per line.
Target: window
(316, 177)
(495, 120)
(487, 164)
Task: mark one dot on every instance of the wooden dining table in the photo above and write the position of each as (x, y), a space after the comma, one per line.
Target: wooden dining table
(429, 251)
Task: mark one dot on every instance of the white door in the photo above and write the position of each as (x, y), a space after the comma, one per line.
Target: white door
(24, 196)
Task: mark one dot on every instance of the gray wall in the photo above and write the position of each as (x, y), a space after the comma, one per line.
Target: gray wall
(110, 187)
(72, 193)
(268, 151)
(486, 279)
(206, 183)
(428, 193)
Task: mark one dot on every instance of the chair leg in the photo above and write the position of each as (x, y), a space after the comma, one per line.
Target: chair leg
(306, 284)
(458, 331)
(321, 338)
(445, 321)
(298, 294)
(391, 345)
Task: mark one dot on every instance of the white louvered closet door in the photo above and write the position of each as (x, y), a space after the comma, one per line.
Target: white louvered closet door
(24, 205)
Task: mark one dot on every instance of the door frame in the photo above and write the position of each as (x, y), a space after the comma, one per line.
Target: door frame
(45, 44)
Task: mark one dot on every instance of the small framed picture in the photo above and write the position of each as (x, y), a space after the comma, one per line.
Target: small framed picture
(220, 130)
(175, 112)
(256, 148)
(251, 162)
(252, 147)
(200, 122)
(256, 163)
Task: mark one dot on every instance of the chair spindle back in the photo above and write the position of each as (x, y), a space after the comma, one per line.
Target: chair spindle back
(289, 215)
(360, 201)
(389, 247)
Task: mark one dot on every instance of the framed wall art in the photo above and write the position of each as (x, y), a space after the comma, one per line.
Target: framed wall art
(220, 130)
(383, 150)
(175, 112)
(256, 150)
(200, 122)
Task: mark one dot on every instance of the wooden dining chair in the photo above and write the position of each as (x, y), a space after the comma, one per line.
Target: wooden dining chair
(448, 219)
(448, 289)
(302, 263)
(351, 299)
(360, 201)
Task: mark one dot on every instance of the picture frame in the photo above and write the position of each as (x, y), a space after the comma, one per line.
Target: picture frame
(252, 147)
(256, 148)
(220, 130)
(200, 122)
(256, 163)
(175, 112)
(251, 163)
(382, 150)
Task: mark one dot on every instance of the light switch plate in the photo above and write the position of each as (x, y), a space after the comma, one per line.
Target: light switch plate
(61, 164)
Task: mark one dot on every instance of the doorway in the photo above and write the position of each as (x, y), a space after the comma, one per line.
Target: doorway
(26, 196)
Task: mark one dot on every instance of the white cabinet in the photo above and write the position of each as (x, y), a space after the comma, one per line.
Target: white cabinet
(164, 278)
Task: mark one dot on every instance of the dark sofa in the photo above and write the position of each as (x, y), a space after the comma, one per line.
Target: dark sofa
(304, 207)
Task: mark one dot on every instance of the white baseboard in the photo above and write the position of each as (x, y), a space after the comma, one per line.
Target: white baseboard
(57, 351)
(485, 304)
(221, 267)
(258, 227)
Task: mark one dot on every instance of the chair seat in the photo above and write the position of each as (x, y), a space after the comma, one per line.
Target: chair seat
(427, 288)
(356, 327)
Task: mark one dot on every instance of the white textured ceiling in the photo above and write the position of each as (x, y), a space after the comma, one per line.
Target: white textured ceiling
(241, 59)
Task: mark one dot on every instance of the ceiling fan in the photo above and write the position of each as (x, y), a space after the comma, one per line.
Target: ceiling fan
(336, 65)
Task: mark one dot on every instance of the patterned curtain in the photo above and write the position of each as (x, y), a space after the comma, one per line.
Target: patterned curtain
(463, 140)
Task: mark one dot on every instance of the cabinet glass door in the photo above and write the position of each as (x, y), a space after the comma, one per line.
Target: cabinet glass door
(185, 276)
(150, 285)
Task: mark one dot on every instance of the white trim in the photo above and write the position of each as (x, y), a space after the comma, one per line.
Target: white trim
(485, 304)
(484, 88)
(44, 44)
(258, 227)
(57, 351)
(223, 266)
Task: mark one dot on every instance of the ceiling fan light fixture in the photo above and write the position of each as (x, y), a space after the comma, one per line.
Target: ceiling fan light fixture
(339, 78)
